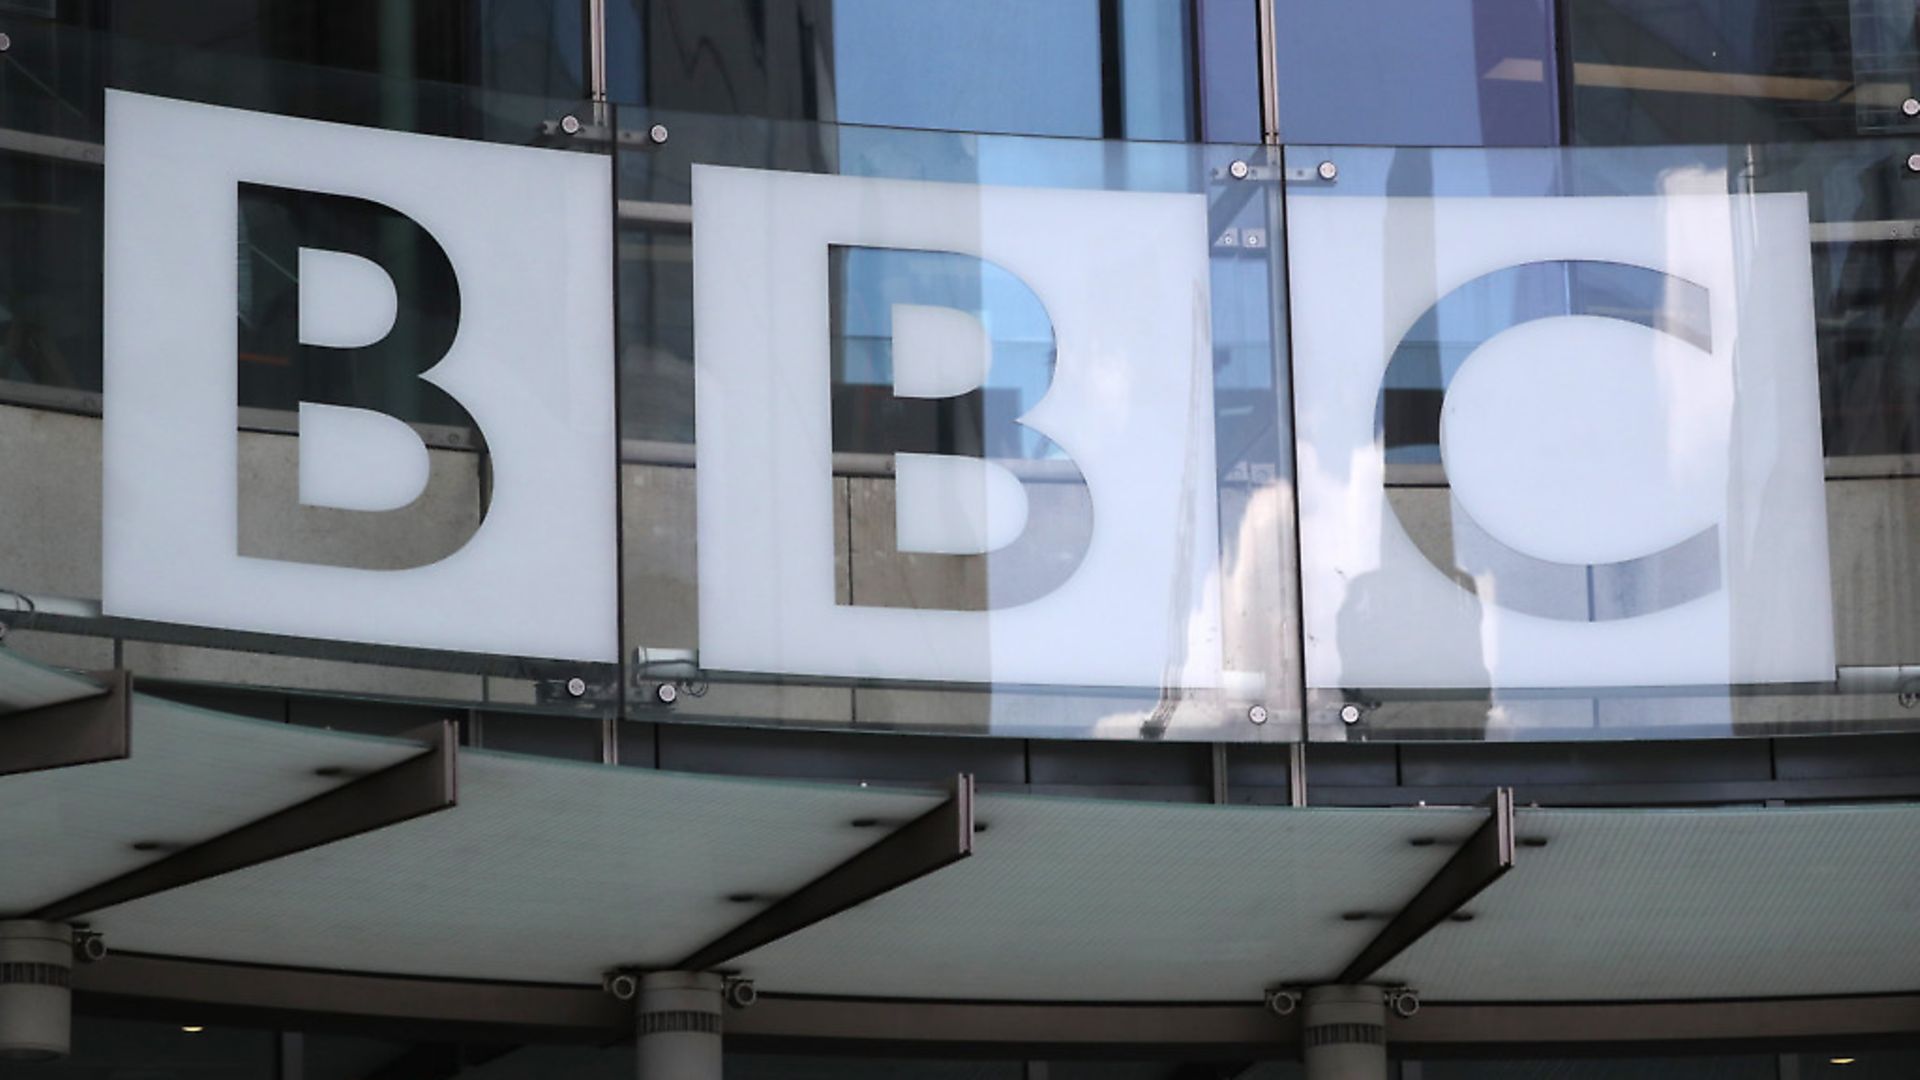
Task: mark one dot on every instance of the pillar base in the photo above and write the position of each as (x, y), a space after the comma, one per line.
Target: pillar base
(678, 1025)
(36, 1003)
(1344, 1031)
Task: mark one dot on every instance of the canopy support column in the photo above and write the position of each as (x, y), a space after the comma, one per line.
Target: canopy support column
(677, 1028)
(1344, 1035)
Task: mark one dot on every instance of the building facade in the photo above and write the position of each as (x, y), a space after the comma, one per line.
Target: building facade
(959, 538)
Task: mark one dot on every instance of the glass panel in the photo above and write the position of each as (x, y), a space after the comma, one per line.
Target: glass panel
(389, 471)
(1652, 71)
(1605, 443)
(1439, 73)
(949, 477)
(1067, 67)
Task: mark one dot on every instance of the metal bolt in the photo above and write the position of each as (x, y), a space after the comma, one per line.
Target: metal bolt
(570, 124)
(1910, 696)
(1257, 714)
(1238, 170)
(6, 42)
(657, 134)
(1349, 714)
(1913, 162)
(666, 693)
(577, 686)
(1911, 106)
(1328, 170)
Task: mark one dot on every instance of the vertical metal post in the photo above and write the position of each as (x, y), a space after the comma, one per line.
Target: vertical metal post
(678, 1026)
(1345, 1033)
(1269, 75)
(596, 16)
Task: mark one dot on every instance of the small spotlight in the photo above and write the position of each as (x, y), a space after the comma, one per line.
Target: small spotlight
(1839, 1061)
(192, 1029)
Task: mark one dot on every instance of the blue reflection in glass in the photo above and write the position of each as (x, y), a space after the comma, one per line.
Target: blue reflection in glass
(1417, 72)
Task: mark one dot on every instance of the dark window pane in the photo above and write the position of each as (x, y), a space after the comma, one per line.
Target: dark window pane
(1118, 68)
(522, 46)
(1654, 71)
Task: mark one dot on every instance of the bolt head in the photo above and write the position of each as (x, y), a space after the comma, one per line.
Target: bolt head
(1257, 714)
(657, 134)
(1913, 162)
(577, 687)
(1238, 170)
(570, 124)
(1911, 106)
(666, 693)
(1328, 170)
(6, 42)
(1349, 714)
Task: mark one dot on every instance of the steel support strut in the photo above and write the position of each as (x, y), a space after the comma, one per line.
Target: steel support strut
(419, 785)
(1479, 862)
(934, 840)
(84, 731)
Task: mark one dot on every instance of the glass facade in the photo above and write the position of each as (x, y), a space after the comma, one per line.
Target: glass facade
(1311, 373)
(1570, 564)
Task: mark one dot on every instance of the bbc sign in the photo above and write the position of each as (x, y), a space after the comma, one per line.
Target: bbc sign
(1067, 333)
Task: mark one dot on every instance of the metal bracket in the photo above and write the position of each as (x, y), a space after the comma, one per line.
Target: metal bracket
(934, 840)
(1479, 862)
(417, 786)
(84, 731)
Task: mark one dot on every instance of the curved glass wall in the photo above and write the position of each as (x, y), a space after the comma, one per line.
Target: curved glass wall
(1605, 442)
(878, 428)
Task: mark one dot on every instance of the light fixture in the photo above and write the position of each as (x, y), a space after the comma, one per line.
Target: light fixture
(1839, 1061)
(192, 1029)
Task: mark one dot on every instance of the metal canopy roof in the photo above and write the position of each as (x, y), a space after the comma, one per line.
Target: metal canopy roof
(543, 871)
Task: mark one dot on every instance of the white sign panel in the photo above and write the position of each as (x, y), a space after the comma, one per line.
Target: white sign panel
(1117, 280)
(1628, 484)
(520, 233)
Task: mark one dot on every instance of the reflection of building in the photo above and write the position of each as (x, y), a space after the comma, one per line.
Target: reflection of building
(317, 858)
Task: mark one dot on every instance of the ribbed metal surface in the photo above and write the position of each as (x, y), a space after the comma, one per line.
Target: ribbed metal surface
(1654, 904)
(1344, 1035)
(678, 1020)
(23, 973)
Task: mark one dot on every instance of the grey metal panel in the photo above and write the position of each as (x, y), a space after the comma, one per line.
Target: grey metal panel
(50, 541)
(823, 755)
(1110, 764)
(1527, 764)
(76, 651)
(573, 738)
(1835, 756)
(1874, 540)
